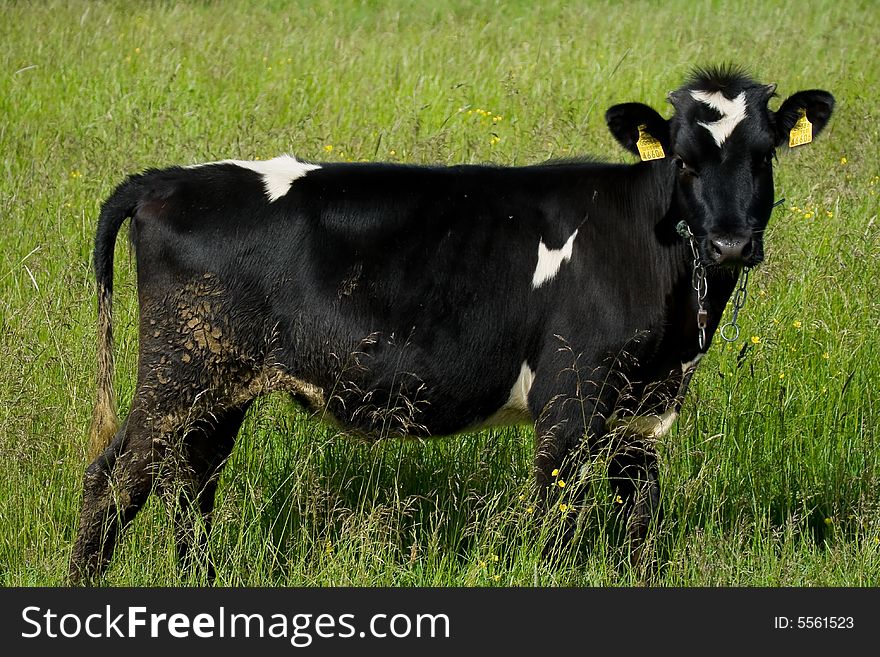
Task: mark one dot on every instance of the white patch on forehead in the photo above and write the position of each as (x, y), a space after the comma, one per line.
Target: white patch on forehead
(732, 113)
(550, 260)
(516, 408)
(278, 173)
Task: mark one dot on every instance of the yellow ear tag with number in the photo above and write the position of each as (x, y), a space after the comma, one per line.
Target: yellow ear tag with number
(649, 147)
(802, 132)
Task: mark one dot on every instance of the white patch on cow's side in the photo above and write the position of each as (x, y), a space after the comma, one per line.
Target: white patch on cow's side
(550, 260)
(516, 409)
(278, 174)
(732, 113)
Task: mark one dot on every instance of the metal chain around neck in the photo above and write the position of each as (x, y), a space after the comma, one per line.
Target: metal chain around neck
(730, 331)
(699, 282)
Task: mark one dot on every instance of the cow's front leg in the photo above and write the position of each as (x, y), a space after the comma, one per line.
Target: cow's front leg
(571, 422)
(634, 477)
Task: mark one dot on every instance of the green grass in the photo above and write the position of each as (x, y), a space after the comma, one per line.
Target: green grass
(771, 475)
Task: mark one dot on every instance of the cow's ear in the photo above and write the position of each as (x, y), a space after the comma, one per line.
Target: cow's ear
(816, 105)
(624, 121)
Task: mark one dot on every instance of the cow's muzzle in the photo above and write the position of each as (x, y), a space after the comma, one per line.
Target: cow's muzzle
(732, 250)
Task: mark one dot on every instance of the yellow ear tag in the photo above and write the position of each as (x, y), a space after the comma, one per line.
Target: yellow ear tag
(649, 147)
(802, 132)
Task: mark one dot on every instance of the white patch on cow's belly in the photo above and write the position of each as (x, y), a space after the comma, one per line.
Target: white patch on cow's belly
(550, 260)
(732, 113)
(516, 409)
(278, 174)
(645, 426)
(652, 425)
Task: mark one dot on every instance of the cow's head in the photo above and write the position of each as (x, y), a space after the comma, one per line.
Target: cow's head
(722, 140)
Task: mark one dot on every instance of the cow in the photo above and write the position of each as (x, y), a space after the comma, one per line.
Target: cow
(396, 300)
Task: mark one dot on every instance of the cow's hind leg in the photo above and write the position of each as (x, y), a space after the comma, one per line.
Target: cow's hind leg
(115, 486)
(190, 485)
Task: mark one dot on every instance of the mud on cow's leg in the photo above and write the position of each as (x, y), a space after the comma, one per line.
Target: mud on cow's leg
(179, 456)
(115, 487)
(197, 377)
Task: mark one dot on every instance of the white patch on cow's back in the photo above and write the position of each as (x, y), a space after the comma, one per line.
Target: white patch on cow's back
(732, 113)
(278, 174)
(550, 260)
(516, 409)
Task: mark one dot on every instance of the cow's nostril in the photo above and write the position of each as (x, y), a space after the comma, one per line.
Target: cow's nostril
(728, 250)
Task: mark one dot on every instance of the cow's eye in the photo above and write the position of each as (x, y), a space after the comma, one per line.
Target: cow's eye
(765, 159)
(683, 167)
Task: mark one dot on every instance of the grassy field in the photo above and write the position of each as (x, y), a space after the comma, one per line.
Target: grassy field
(770, 478)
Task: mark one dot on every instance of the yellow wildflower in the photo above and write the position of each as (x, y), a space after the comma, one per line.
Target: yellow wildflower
(796, 323)
(563, 507)
(756, 339)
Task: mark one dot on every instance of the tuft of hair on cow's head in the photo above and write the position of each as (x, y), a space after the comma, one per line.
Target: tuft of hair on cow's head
(721, 141)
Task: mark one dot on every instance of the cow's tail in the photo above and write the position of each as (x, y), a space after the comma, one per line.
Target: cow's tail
(116, 209)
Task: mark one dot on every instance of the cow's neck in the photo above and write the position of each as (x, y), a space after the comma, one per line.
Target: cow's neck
(660, 181)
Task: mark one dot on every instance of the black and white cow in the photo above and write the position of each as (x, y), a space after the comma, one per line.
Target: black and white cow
(417, 300)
